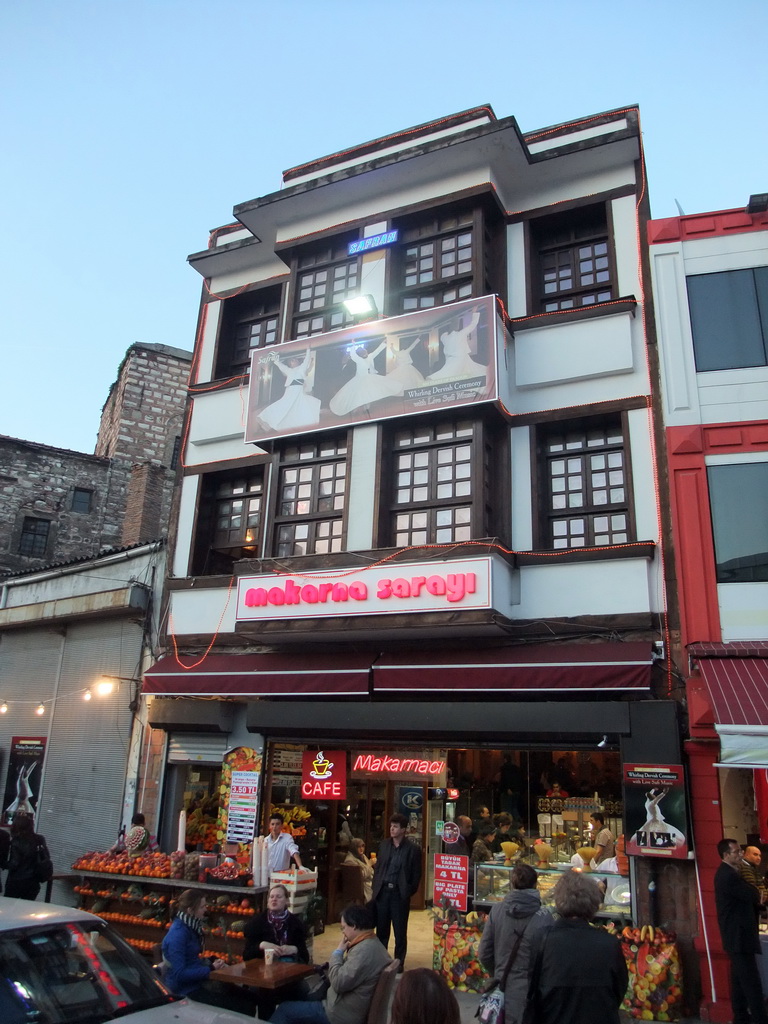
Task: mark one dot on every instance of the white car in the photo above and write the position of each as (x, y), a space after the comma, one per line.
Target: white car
(61, 966)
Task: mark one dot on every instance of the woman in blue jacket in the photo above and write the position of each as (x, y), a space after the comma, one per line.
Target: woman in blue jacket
(186, 971)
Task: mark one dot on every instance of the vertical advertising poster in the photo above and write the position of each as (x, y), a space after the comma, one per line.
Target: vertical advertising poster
(655, 810)
(25, 772)
(451, 879)
(418, 362)
(239, 795)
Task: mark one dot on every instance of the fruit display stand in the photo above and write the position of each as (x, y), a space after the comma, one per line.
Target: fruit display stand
(137, 904)
(455, 941)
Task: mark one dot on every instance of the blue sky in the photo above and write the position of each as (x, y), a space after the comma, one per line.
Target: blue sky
(131, 128)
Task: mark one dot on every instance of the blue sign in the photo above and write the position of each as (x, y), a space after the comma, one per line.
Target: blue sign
(372, 242)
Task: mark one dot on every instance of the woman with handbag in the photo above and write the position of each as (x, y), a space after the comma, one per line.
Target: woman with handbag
(508, 936)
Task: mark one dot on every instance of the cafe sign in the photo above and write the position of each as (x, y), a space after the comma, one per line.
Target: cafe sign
(324, 775)
(389, 589)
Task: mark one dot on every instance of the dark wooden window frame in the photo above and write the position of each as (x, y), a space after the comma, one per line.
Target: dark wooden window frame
(537, 298)
(78, 502)
(258, 305)
(211, 555)
(281, 462)
(324, 255)
(489, 477)
(542, 515)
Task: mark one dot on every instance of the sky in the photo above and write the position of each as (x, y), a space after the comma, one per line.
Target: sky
(129, 128)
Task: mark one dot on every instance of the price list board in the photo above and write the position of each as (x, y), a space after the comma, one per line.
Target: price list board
(243, 807)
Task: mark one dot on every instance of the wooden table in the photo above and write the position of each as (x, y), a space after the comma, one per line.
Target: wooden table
(259, 975)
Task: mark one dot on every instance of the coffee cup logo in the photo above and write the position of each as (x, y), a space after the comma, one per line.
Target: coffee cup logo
(322, 766)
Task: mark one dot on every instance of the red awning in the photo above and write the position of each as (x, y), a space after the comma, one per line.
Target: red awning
(738, 688)
(261, 675)
(585, 668)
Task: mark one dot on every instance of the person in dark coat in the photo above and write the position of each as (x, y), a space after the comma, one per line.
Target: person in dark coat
(579, 974)
(284, 932)
(738, 908)
(396, 878)
(514, 924)
(22, 881)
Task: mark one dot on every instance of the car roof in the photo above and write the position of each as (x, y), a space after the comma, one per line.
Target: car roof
(18, 913)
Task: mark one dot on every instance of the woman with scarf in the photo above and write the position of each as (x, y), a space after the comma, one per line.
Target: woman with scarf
(284, 932)
(185, 970)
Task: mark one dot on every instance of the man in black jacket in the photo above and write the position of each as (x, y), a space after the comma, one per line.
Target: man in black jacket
(395, 879)
(738, 907)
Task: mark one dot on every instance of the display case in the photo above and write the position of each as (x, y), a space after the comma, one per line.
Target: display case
(493, 881)
(139, 909)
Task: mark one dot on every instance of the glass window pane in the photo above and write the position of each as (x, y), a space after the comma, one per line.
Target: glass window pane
(725, 320)
(738, 498)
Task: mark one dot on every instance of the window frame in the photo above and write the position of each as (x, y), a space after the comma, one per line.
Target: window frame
(74, 500)
(543, 515)
(255, 305)
(704, 320)
(489, 478)
(322, 256)
(280, 463)
(719, 512)
(24, 533)
(210, 557)
(536, 227)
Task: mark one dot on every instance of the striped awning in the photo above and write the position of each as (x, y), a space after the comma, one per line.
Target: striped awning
(738, 689)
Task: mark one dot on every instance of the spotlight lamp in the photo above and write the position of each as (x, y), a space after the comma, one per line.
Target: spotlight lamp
(603, 742)
(361, 307)
(3, 708)
(40, 709)
(87, 695)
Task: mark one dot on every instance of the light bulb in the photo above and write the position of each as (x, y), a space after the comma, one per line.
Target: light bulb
(40, 709)
(104, 687)
(3, 708)
(87, 695)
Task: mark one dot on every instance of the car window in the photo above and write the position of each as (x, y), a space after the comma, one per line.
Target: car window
(60, 973)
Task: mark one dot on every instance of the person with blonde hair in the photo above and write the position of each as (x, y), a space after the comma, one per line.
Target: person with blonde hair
(356, 858)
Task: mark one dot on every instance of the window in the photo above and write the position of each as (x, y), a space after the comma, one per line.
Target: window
(437, 261)
(738, 496)
(311, 497)
(574, 259)
(586, 476)
(230, 520)
(324, 278)
(34, 537)
(249, 321)
(729, 318)
(81, 500)
(440, 482)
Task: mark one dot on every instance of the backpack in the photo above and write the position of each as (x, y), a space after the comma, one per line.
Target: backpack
(43, 862)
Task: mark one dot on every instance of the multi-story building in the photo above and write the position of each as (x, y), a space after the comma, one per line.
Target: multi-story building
(710, 278)
(82, 539)
(428, 535)
(59, 505)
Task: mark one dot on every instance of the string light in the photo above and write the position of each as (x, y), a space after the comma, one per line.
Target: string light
(40, 709)
(87, 695)
(3, 708)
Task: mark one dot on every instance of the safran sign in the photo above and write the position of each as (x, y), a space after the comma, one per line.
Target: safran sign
(405, 587)
(372, 242)
(324, 775)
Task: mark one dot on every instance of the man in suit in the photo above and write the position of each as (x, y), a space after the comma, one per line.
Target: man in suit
(395, 879)
(738, 907)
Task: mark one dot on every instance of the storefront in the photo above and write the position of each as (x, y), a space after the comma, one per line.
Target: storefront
(575, 714)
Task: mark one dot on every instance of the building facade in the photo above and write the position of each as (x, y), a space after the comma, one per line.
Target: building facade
(59, 504)
(82, 546)
(710, 277)
(429, 533)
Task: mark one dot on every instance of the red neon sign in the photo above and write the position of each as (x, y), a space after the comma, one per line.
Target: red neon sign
(410, 765)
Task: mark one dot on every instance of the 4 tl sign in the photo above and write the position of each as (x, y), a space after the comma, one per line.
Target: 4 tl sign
(451, 879)
(324, 775)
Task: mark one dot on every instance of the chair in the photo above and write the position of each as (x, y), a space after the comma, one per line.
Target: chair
(378, 1011)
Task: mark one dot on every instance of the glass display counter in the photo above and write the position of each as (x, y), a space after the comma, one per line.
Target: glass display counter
(493, 882)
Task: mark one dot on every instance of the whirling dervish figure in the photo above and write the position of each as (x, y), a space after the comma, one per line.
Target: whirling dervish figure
(22, 803)
(295, 407)
(657, 832)
(404, 374)
(367, 386)
(458, 361)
